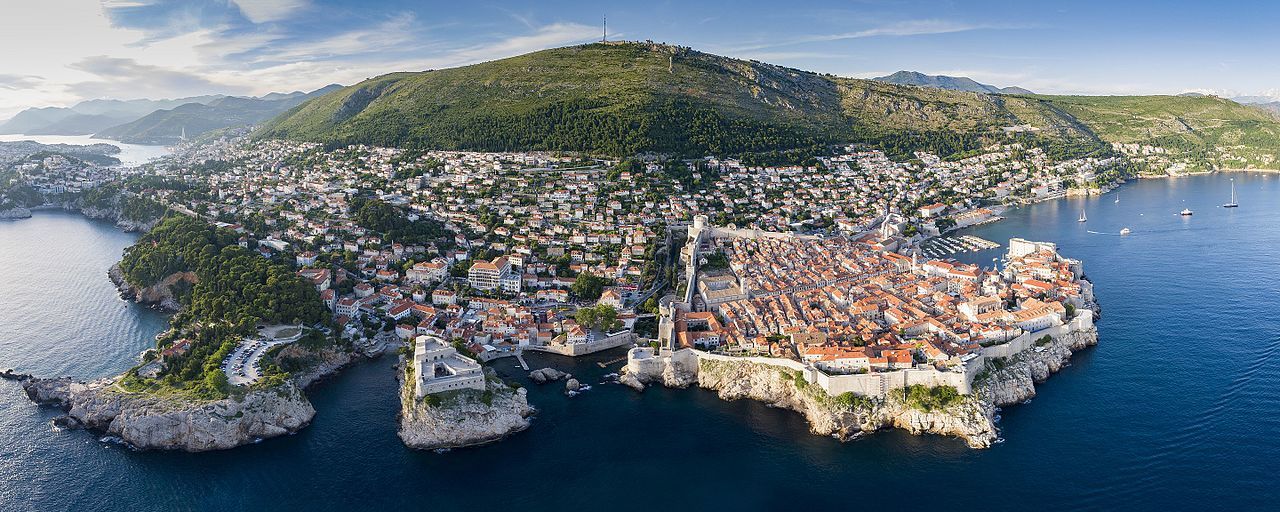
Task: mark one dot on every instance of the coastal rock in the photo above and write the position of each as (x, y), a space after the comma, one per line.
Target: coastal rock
(147, 421)
(159, 295)
(630, 380)
(1013, 381)
(828, 416)
(545, 375)
(572, 385)
(113, 214)
(462, 418)
(971, 419)
(678, 370)
(11, 374)
(15, 213)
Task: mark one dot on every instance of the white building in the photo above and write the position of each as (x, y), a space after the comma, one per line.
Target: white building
(495, 275)
(439, 367)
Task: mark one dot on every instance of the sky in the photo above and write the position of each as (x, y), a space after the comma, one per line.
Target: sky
(59, 52)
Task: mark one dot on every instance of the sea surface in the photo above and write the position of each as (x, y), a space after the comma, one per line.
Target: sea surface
(1177, 408)
(130, 155)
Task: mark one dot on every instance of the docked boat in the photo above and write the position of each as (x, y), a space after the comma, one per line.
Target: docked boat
(1232, 204)
(1186, 212)
(1125, 231)
(1083, 217)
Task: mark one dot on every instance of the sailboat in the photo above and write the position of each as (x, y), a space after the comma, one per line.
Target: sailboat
(1083, 217)
(1233, 203)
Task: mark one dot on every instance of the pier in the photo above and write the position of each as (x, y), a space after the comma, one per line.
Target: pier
(611, 362)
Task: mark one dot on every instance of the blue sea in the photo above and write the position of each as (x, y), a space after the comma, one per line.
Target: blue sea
(1176, 408)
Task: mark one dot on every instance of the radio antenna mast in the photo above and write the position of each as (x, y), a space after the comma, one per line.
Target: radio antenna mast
(605, 37)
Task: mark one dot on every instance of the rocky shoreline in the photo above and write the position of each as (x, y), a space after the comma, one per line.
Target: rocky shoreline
(114, 215)
(173, 422)
(15, 213)
(972, 419)
(159, 422)
(158, 296)
(462, 418)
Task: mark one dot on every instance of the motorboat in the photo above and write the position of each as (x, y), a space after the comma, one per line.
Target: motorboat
(1186, 212)
(1125, 231)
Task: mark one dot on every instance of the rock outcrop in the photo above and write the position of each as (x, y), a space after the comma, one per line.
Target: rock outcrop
(971, 418)
(15, 213)
(113, 214)
(1013, 381)
(159, 295)
(461, 418)
(149, 421)
(546, 375)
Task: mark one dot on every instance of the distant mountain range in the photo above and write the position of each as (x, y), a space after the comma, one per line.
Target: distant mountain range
(146, 121)
(1267, 103)
(950, 83)
(193, 119)
(88, 117)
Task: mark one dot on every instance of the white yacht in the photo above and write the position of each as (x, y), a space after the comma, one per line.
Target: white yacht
(1232, 204)
(1083, 217)
(1125, 231)
(1186, 212)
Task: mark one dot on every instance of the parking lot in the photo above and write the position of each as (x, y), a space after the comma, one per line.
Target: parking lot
(243, 365)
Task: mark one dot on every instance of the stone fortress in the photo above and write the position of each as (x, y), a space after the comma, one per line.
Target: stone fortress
(441, 368)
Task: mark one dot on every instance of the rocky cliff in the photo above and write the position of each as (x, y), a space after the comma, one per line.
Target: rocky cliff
(462, 418)
(1012, 380)
(971, 419)
(15, 213)
(175, 422)
(159, 295)
(147, 421)
(114, 214)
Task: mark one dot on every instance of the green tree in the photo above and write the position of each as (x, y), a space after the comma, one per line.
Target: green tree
(588, 286)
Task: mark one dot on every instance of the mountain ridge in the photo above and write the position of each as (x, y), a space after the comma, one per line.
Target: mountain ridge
(626, 98)
(194, 119)
(953, 83)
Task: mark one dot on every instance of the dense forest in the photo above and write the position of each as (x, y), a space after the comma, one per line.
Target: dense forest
(234, 290)
(377, 216)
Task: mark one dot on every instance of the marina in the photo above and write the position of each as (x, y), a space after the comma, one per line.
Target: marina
(946, 245)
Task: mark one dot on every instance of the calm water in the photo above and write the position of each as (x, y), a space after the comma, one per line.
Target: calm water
(130, 155)
(1176, 408)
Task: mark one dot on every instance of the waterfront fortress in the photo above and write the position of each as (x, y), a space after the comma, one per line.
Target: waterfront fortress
(441, 368)
(447, 400)
(858, 337)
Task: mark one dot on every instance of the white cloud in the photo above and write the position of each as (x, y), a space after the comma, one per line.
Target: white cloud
(116, 77)
(895, 29)
(264, 11)
(393, 34)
